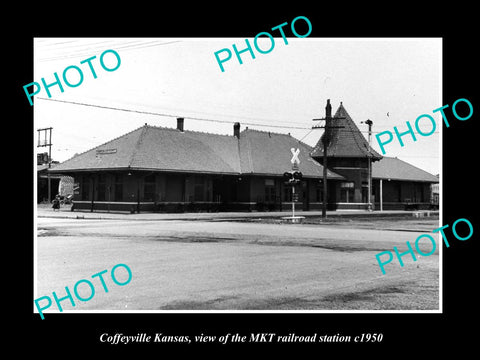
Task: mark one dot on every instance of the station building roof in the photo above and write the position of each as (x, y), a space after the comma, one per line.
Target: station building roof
(171, 150)
(253, 152)
(391, 168)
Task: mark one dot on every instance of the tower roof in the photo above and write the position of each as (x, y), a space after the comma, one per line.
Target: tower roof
(345, 142)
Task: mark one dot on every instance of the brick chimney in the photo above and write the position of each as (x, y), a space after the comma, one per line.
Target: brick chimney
(236, 130)
(180, 124)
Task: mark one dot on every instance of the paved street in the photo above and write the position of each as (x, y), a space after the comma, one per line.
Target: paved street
(217, 265)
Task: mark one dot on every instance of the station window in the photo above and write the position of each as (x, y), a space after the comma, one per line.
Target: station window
(319, 194)
(199, 189)
(118, 187)
(101, 188)
(85, 188)
(270, 194)
(347, 190)
(149, 188)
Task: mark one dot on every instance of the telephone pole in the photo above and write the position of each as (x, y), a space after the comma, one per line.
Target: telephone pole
(369, 123)
(47, 133)
(326, 141)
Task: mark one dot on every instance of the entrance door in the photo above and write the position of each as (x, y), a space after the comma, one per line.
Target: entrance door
(219, 190)
(364, 194)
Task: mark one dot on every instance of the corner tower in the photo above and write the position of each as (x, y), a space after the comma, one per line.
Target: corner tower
(348, 154)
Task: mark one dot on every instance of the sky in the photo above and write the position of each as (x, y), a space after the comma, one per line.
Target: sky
(387, 80)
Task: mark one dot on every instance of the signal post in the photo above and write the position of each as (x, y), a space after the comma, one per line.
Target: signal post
(292, 178)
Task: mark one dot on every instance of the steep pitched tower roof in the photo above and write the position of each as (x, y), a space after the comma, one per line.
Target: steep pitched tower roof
(345, 142)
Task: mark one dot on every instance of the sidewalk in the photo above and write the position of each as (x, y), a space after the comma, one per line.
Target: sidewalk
(47, 212)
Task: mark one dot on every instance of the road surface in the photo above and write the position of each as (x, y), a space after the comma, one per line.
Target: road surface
(209, 265)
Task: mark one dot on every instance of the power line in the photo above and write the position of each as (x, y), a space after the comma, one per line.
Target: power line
(421, 157)
(87, 50)
(170, 115)
(204, 119)
(306, 135)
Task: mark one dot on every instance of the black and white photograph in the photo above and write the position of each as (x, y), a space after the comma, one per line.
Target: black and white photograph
(266, 190)
(277, 187)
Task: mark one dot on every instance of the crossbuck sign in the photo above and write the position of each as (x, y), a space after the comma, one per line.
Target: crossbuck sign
(295, 159)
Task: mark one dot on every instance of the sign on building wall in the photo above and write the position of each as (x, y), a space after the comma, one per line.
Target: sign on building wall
(347, 185)
(66, 186)
(106, 151)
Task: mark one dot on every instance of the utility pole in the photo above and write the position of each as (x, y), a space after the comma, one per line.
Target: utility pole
(326, 141)
(47, 132)
(369, 195)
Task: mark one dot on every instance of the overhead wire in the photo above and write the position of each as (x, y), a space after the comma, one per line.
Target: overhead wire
(202, 118)
(311, 129)
(139, 44)
(170, 115)
(88, 49)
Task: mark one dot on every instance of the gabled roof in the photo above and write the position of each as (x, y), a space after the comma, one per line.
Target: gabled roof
(263, 152)
(158, 148)
(396, 169)
(347, 141)
(167, 149)
(185, 151)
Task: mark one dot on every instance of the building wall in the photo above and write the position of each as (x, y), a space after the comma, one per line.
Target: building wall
(165, 192)
(435, 195)
(272, 193)
(397, 194)
(265, 193)
(402, 195)
(42, 188)
(242, 189)
(173, 192)
(310, 195)
(355, 170)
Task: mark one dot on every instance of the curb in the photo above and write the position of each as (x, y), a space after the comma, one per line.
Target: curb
(246, 217)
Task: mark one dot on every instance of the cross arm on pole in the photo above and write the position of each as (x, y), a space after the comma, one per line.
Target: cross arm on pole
(330, 126)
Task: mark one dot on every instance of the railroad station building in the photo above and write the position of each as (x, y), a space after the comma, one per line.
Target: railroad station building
(175, 170)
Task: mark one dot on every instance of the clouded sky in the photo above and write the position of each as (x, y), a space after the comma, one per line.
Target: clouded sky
(389, 81)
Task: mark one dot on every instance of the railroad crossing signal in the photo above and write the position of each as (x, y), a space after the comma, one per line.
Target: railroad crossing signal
(295, 159)
(292, 177)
